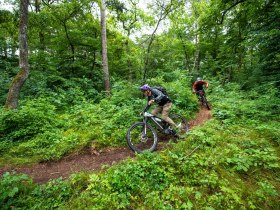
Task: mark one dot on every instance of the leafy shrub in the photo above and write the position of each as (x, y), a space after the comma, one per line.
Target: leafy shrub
(60, 91)
(9, 68)
(243, 160)
(45, 146)
(13, 190)
(118, 186)
(238, 106)
(51, 195)
(18, 191)
(36, 116)
(270, 130)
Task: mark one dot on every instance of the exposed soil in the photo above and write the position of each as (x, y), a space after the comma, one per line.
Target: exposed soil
(88, 159)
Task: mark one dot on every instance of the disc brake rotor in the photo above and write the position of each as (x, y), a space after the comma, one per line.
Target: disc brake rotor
(143, 137)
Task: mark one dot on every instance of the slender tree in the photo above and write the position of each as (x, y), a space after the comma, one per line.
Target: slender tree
(104, 49)
(20, 78)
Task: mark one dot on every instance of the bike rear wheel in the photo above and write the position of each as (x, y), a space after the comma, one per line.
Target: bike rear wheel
(141, 138)
(182, 125)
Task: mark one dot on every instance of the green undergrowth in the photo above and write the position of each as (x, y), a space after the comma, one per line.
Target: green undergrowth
(231, 162)
(44, 128)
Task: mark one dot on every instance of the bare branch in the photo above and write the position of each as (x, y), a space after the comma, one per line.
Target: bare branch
(233, 5)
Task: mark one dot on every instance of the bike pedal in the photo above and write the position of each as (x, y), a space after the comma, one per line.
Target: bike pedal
(176, 136)
(167, 131)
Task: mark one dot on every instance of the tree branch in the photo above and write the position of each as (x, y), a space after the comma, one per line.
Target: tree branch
(225, 11)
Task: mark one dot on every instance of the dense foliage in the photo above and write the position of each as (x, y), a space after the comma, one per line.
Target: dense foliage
(231, 162)
(40, 130)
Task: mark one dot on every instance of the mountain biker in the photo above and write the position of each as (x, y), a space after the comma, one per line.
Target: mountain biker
(198, 85)
(164, 103)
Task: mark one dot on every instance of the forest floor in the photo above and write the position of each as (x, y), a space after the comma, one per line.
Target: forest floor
(88, 159)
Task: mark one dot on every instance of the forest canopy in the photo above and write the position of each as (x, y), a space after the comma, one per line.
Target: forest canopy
(233, 41)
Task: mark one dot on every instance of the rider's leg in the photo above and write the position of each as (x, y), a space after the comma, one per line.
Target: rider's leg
(156, 110)
(199, 97)
(165, 114)
(203, 92)
(197, 94)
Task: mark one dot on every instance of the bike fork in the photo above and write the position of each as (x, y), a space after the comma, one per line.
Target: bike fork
(145, 127)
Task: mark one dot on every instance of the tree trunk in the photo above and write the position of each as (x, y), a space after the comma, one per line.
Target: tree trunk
(129, 65)
(18, 81)
(187, 66)
(196, 64)
(104, 49)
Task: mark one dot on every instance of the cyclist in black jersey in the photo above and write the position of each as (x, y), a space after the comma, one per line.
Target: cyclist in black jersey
(164, 103)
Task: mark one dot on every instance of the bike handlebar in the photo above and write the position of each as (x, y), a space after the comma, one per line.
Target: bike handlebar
(146, 108)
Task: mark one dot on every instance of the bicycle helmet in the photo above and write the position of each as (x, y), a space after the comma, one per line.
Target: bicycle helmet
(145, 87)
(198, 79)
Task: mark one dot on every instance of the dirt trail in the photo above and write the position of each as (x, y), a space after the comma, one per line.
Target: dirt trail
(87, 160)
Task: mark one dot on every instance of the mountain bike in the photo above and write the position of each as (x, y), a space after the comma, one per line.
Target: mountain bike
(141, 136)
(203, 100)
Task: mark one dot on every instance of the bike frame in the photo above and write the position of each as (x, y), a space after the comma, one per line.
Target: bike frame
(156, 120)
(201, 93)
(203, 99)
(144, 136)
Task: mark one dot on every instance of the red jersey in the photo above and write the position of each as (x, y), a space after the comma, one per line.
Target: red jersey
(198, 85)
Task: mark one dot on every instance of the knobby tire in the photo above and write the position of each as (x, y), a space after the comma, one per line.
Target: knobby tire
(138, 142)
(182, 125)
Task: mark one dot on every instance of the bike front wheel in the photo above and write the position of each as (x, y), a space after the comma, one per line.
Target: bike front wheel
(141, 137)
(182, 125)
(205, 102)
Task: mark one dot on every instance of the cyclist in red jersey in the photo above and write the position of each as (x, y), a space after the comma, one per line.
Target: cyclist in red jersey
(198, 85)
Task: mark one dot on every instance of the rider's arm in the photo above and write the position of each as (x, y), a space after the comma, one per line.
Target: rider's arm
(159, 95)
(193, 87)
(150, 100)
(206, 83)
